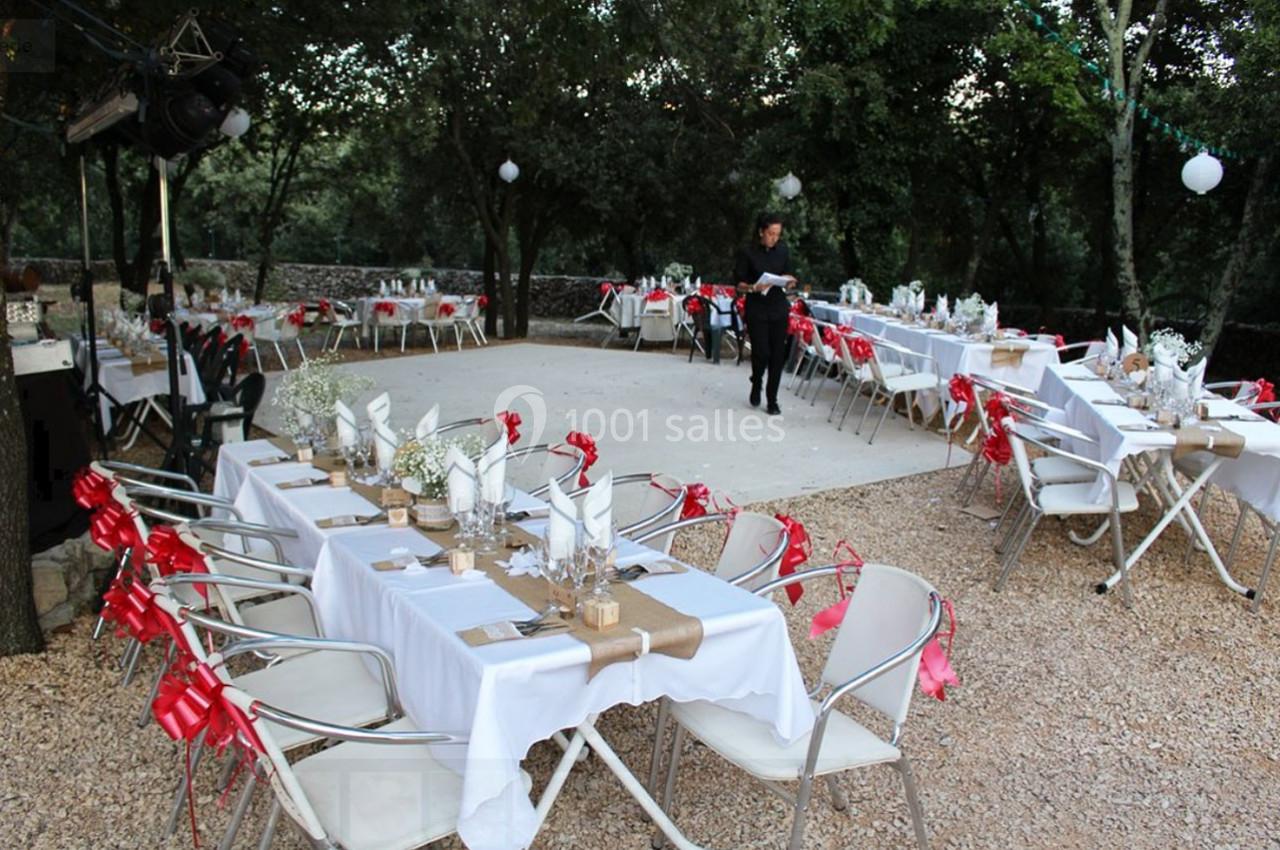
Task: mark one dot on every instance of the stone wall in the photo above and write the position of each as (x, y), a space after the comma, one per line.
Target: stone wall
(67, 578)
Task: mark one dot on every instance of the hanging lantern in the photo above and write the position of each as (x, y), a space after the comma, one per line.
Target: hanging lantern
(235, 124)
(509, 171)
(1202, 172)
(789, 186)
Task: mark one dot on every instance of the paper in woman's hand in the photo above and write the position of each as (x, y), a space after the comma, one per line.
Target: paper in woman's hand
(774, 280)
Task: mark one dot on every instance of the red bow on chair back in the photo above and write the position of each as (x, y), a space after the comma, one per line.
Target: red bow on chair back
(935, 664)
(961, 389)
(741, 305)
(446, 309)
(511, 421)
(244, 348)
(90, 490)
(297, 316)
(1059, 341)
(707, 290)
(113, 528)
(130, 604)
(860, 349)
(386, 308)
(799, 326)
(169, 554)
(587, 446)
(693, 307)
(800, 308)
(222, 336)
(482, 303)
(325, 308)
(695, 499)
(606, 288)
(830, 336)
(798, 550)
(829, 618)
(657, 295)
(190, 701)
(241, 323)
(1266, 394)
(156, 326)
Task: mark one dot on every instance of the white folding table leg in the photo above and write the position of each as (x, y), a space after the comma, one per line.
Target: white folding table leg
(586, 734)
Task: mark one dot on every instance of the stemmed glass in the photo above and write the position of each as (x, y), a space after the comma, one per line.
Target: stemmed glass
(486, 540)
(578, 570)
(601, 558)
(364, 444)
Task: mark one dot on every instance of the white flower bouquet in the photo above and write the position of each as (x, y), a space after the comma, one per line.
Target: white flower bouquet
(419, 464)
(1174, 343)
(308, 392)
(969, 312)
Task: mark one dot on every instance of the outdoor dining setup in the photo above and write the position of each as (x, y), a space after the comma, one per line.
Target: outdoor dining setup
(434, 601)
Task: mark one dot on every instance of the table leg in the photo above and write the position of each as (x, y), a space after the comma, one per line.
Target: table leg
(586, 734)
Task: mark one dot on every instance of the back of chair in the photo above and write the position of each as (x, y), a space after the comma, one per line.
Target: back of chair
(752, 539)
(248, 395)
(887, 611)
(1020, 459)
(430, 309)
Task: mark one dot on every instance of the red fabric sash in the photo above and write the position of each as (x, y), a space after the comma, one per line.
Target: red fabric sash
(91, 490)
(799, 548)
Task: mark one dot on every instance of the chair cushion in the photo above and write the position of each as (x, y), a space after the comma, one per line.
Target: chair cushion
(331, 686)
(1053, 469)
(1067, 499)
(288, 615)
(751, 745)
(914, 381)
(383, 796)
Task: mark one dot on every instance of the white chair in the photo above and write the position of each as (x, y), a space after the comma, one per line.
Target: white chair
(341, 318)
(394, 316)
(891, 616)
(752, 551)
(560, 461)
(470, 318)
(655, 499)
(1056, 470)
(1063, 500)
(657, 322)
(908, 382)
(276, 330)
(433, 319)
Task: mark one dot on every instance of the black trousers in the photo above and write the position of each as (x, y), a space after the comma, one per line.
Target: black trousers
(768, 352)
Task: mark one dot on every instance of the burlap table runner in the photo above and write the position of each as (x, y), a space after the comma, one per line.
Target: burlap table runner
(142, 366)
(1008, 353)
(669, 632)
(1195, 439)
(284, 444)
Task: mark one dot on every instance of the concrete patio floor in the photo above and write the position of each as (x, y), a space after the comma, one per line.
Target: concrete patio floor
(651, 412)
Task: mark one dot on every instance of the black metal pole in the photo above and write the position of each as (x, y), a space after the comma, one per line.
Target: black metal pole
(175, 458)
(90, 324)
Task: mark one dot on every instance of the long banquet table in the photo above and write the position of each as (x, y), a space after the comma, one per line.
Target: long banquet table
(507, 696)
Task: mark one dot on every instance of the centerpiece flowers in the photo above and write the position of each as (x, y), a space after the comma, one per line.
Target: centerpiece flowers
(420, 466)
(1174, 343)
(969, 312)
(308, 393)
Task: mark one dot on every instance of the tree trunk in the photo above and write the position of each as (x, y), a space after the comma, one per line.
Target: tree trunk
(19, 627)
(979, 250)
(1242, 255)
(272, 213)
(490, 285)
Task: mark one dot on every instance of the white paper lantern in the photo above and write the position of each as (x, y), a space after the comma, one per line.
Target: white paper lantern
(235, 124)
(789, 186)
(1202, 172)
(509, 171)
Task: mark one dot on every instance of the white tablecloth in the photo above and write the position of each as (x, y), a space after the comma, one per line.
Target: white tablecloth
(954, 355)
(116, 377)
(506, 697)
(413, 304)
(1254, 476)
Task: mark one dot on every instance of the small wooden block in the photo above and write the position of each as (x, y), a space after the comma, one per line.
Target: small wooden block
(1135, 362)
(601, 612)
(461, 560)
(305, 454)
(1100, 368)
(1138, 402)
(338, 478)
(398, 517)
(1166, 417)
(395, 497)
(564, 597)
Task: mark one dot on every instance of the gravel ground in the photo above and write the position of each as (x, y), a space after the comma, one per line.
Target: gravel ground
(1078, 723)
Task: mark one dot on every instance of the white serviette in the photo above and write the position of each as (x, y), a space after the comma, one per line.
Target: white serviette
(1113, 345)
(461, 479)
(428, 423)
(380, 409)
(522, 563)
(493, 472)
(919, 302)
(385, 443)
(382, 287)
(1165, 363)
(942, 309)
(1129, 344)
(562, 525)
(1189, 382)
(991, 318)
(348, 431)
(597, 513)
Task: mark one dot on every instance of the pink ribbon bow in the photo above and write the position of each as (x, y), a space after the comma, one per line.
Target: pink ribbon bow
(829, 618)
(935, 665)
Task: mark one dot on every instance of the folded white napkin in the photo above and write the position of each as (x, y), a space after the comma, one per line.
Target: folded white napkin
(380, 409)
(562, 525)
(493, 471)
(385, 443)
(942, 309)
(597, 513)
(991, 318)
(1193, 376)
(382, 287)
(461, 474)
(919, 304)
(1113, 345)
(348, 431)
(866, 296)
(1165, 363)
(428, 423)
(1130, 342)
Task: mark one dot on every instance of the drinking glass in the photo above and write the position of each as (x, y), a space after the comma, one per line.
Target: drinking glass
(486, 540)
(578, 573)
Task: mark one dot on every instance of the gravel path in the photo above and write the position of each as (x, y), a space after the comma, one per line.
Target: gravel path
(1078, 723)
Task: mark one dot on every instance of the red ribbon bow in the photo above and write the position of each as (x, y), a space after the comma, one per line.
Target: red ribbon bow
(90, 490)
(798, 325)
(222, 337)
(693, 307)
(587, 446)
(830, 336)
(482, 303)
(741, 304)
(112, 528)
(169, 554)
(297, 317)
(511, 421)
(1059, 341)
(860, 349)
(156, 325)
(935, 665)
(326, 309)
(130, 604)
(386, 308)
(446, 309)
(244, 347)
(695, 499)
(961, 389)
(657, 295)
(799, 308)
(829, 618)
(1266, 394)
(240, 323)
(190, 701)
(799, 548)
(706, 290)
(606, 288)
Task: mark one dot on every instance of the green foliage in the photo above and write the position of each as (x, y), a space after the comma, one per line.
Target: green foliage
(201, 278)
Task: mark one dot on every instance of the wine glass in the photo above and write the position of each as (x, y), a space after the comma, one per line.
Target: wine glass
(578, 565)
(601, 558)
